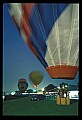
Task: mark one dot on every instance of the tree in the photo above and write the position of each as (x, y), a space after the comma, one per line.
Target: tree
(78, 85)
(63, 84)
(29, 91)
(72, 87)
(64, 87)
(50, 87)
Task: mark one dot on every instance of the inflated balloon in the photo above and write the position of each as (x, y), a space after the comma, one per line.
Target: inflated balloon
(22, 85)
(52, 33)
(36, 77)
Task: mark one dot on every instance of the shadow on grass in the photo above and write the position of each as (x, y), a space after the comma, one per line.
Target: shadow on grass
(73, 101)
(12, 97)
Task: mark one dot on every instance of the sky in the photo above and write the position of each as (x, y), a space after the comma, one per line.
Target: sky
(19, 61)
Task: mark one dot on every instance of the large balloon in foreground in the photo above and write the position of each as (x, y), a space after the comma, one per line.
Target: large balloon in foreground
(36, 77)
(52, 33)
(22, 85)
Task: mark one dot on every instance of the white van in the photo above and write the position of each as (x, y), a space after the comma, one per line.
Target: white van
(73, 94)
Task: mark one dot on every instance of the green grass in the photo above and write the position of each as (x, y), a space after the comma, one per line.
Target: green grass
(26, 107)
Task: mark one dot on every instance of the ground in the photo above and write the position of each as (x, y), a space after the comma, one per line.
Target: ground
(26, 107)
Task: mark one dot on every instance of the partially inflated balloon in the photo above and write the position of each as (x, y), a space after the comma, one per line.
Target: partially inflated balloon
(52, 33)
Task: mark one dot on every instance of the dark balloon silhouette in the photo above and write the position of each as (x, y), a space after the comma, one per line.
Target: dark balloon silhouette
(22, 85)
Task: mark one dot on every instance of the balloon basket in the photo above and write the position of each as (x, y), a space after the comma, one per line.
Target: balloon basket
(62, 101)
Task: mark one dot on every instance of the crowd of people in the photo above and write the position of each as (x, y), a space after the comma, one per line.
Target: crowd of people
(63, 94)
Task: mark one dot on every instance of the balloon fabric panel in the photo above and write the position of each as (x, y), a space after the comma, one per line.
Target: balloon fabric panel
(52, 33)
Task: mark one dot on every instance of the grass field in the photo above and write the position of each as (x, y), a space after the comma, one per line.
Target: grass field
(26, 107)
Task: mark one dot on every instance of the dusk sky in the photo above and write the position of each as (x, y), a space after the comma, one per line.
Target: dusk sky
(19, 61)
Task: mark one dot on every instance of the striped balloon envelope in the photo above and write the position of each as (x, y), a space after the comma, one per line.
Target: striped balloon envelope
(52, 33)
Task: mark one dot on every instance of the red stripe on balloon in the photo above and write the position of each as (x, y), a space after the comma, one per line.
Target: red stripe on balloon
(31, 47)
(22, 80)
(25, 26)
(27, 9)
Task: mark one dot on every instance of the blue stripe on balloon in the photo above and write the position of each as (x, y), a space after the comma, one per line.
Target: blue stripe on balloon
(61, 7)
(8, 5)
(39, 55)
(42, 18)
(46, 13)
(58, 9)
(37, 30)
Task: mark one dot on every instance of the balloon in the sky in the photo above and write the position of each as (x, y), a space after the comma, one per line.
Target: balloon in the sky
(36, 77)
(52, 33)
(22, 85)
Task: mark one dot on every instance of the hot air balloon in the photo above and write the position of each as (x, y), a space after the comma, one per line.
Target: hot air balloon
(36, 78)
(22, 85)
(52, 33)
